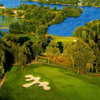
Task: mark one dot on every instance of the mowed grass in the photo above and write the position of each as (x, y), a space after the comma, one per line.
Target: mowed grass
(64, 40)
(65, 85)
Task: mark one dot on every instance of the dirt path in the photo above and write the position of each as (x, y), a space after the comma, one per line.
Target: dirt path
(85, 75)
(2, 81)
(33, 62)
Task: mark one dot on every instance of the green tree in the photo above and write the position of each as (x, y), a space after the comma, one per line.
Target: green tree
(22, 56)
(52, 51)
(37, 49)
(83, 55)
(69, 50)
(2, 61)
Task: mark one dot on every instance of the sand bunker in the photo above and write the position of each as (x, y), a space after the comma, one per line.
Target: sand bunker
(36, 81)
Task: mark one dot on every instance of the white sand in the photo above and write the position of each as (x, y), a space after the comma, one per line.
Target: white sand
(36, 81)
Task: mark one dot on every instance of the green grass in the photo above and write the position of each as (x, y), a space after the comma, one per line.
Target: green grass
(43, 60)
(64, 40)
(65, 85)
(30, 36)
(7, 20)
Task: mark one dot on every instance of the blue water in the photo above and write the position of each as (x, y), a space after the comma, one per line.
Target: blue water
(16, 3)
(67, 27)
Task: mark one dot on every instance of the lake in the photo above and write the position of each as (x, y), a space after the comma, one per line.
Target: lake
(67, 27)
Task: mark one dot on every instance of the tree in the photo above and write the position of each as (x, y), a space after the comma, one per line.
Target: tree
(69, 50)
(90, 33)
(55, 8)
(15, 28)
(22, 56)
(96, 51)
(22, 59)
(81, 54)
(2, 61)
(84, 32)
(52, 51)
(37, 49)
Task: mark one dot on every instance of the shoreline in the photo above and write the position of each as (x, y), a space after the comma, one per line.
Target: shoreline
(4, 27)
(62, 4)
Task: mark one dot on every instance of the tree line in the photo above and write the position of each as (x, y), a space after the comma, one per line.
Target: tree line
(75, 2)
(19, 50)
(91, 2)
(90, 33)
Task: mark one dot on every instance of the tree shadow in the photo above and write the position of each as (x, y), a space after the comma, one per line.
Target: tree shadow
(9, 61)
(21, 40)
(60, 46)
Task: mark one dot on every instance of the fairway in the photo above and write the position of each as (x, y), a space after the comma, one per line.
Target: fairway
(63, 40)
(65, 85)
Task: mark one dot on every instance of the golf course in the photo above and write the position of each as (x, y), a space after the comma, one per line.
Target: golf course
(65, 84)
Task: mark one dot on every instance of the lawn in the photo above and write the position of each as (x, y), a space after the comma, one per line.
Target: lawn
(64, 40)
(65, 85)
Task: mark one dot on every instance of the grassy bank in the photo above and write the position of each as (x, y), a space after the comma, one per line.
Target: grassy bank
(64, 84)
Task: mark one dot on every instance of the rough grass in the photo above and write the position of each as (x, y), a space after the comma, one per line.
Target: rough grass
(65, 85)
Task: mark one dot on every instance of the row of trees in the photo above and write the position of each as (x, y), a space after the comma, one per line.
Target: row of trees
(52, 51)
(90, 33)
(19, 50)
(57, 1)
(91, 2)
(80, 54)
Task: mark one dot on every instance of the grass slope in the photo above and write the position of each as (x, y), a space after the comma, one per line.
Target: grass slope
(65, 85)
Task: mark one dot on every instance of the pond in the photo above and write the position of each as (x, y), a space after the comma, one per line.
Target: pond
(65, 28)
